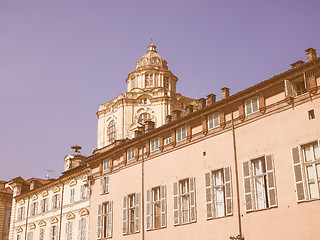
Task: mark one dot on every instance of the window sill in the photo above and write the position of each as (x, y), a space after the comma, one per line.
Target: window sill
(182, 224)
(260, 210)
(215, 218)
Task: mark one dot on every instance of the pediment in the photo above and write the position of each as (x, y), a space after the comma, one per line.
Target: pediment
(45, 193)
(84, 212)
(70, 216)
(34, 197)
(22, 201)
(19, 229)
(73, 182)
(32, 226)
(56, 189)
(54, 220)
(42, 223)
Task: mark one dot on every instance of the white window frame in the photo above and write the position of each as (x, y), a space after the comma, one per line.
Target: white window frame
(55, 201)
(291, 87)
(131, 214)
(83, 228)
(167, 140)
(54, 232)
(69, 230)
(21, 213)
(306, 168)
(34, 208)
(104, 184)
(154, 144)
(259, 187)
(106, 165)
(181, 134)
(213, 121)
(149, 82)
(131, 152)
(106, 220)
(44, 205)
(41, 233)
(72, 194)
(85, 191)
(253, 103)
(156, 200)
(184, 189)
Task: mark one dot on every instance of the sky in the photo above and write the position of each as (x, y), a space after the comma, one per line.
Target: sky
(60, 59)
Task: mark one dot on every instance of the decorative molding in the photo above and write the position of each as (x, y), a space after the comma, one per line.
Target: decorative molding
(42, 223)
(45, 193)
(73, 182)
(22, 201)
(85, 178)
(19, 229)
(34, 197)
(54, 220)
(70, 216)
(32, 226)
(56, 189)
(84, 212)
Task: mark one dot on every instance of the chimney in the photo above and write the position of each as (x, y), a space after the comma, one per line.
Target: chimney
(225, 92)
(297, 64)
(311, 54)
(176, 114)
(168, 119)
(189, 109)
(149, 125)
(211, 99)
(137, 133)
(202, 102)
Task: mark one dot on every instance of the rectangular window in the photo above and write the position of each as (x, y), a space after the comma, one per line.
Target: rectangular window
(44, 205)
(306, 163)
(54, 233)
(85, 191)
(184, 201)
(251, 106)
(105, 220)
(72, 194)
(30, 235)
(259, 183)
(156, 208)
(55, 201)
(181, 134)
(106, 164)
(131, 154)
(21, 213)
(167, 140)
(149, 80)
(19, 236)
(69, 230)
(82, 229)
(213, 121)
(34, 208)
(41, 234)
(131, 213)
(218, 193)
(104, 184)
(154, 144)
(166, 82)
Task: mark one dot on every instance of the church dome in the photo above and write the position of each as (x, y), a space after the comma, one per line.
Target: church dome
(152, 59)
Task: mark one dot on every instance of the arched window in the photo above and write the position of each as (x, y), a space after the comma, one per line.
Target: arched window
(111, 131)
(144, 117)
(149, 80)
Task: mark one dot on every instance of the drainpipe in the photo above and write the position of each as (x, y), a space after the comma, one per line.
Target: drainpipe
(142, 192)
(61, 208)
(26, 232)
(238, 237)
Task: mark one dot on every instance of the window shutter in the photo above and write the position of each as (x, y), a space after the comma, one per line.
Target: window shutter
(163, 203)
(82, 192)
(228, 190)
(107, 184)
(102, 186)
(110, 211)
(176, 212)
(149, 209)
(46, 204)
(79, 230)
(136, 153)
(262, 104)
(99, 225)
(289, 88)
(241, 111)
(209, 194)
(84, 228)
(58, 200)
(246, 167)
(41, 205)
(137, 212)
(70, 230)
(193, 212)
(298, 174)
(52, 202)
(271, 181)
(125, 215)
(222, 119)
(51, 233)
(67, 231)
(55, 232)
(189, 132)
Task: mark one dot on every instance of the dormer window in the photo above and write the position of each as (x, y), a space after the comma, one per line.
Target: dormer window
(295, 88)
(149, 80)
(251, 106)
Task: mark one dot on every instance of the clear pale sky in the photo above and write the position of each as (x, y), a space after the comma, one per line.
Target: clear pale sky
(60, 59)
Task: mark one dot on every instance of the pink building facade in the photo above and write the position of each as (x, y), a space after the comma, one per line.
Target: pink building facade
(244, 167)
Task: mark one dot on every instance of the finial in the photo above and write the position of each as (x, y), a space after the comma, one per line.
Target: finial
(151, 41)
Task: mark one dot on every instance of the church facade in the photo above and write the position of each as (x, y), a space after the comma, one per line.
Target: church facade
(166, 166)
